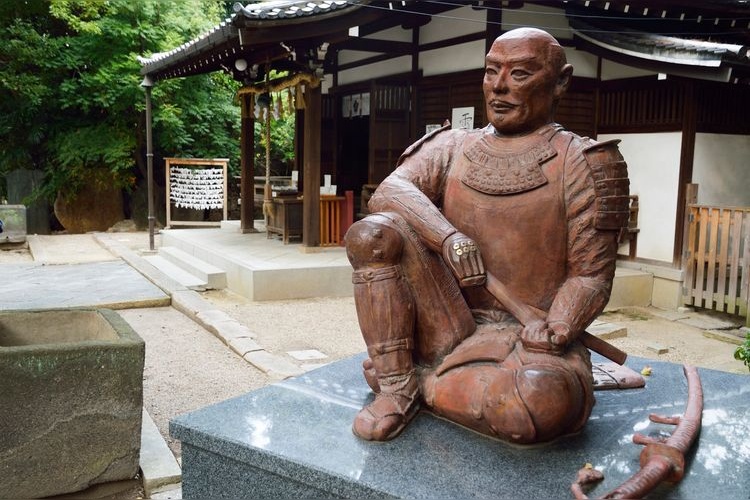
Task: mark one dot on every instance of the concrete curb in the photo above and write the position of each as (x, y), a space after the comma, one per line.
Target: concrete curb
(235, 335)
(159, 469)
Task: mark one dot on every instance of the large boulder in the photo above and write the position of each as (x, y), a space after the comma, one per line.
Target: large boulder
(96, 206)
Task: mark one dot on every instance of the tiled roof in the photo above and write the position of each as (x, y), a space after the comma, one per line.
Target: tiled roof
(280, 9)
(268, 11)
(662, 48)
(220, 32)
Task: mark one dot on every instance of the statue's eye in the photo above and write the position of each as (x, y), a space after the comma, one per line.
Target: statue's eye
(520, 74)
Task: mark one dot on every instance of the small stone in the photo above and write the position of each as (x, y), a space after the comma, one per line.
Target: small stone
(657, 348)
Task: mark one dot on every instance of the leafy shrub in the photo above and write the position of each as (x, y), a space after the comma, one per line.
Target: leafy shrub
(743, 352)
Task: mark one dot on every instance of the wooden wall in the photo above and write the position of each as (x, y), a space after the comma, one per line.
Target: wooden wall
(640, 105)
(439, 95)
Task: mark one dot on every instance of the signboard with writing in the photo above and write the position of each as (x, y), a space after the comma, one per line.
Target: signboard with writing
(463, 118)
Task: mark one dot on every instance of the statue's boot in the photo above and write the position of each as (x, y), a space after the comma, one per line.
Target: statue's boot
(385, 308)
(370, 376)
(396, 403)
(386, 315)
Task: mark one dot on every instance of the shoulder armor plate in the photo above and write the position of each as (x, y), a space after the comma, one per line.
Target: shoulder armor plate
(416, 145)
(610, 174)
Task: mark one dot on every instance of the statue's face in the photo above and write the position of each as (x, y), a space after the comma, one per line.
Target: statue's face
(521, 83)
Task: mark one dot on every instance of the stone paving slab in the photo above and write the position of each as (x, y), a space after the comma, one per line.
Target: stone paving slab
(708, 323)
(72, 249)
(111, 284)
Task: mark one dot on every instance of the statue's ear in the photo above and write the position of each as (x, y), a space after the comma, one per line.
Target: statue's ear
(563, 80)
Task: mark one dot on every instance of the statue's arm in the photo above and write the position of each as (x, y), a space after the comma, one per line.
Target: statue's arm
(414, 190)
(593, 229)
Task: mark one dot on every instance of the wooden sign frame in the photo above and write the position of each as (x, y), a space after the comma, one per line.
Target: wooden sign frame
(206, 163)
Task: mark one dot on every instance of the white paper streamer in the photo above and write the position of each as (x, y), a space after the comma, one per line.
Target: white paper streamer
(196, 188)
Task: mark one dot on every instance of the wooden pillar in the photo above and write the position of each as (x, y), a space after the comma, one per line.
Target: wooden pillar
(311, 166)
(494, 24)
(247, 169)
(687, 154)
(414, 94)
(597, 98)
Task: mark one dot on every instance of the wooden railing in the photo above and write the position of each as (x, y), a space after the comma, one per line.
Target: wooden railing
(717, 258)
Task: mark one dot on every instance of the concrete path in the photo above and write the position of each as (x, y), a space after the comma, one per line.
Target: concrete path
(112, 284)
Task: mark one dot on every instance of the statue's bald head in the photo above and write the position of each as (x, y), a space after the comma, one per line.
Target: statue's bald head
(540, 39)
(526, 74)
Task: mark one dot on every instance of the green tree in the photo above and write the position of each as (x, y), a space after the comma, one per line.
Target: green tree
(69, 89)
(282, 142)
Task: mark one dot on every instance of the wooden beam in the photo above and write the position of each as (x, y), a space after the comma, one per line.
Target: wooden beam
(479, 35)
(687, 154)
(470, 37)
(494, 27)
(247, 169)
(413, 79)
(311, 165)
(375, 45)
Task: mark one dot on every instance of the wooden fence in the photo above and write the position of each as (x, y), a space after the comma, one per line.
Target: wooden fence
(716, 256)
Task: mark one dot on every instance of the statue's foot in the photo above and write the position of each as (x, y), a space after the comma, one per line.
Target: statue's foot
(395, 406)
(371, 377)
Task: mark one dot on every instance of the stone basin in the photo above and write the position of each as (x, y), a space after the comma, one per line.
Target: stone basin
(71, 393)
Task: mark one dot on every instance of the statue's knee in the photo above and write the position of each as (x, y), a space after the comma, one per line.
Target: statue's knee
(370, 241)
(553, 396)
(526, 405)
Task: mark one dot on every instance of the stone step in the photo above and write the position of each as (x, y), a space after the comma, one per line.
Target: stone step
(607, 331)
(213, 276)
(630, 288)
(178, 274)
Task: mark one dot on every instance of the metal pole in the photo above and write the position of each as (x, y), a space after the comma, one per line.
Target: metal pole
(148, 83)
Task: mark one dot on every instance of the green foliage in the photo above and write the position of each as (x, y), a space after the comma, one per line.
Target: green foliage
(742, 353)
(70, 90)
(282, 144)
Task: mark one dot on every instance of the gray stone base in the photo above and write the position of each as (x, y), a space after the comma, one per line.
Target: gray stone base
(294, 439)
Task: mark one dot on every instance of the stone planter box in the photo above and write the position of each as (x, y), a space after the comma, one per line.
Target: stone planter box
(14, 223)
(71, 393)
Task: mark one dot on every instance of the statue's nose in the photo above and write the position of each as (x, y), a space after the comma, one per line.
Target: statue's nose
(500, 85)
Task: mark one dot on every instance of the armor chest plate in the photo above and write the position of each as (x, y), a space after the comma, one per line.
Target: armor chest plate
(508, 195)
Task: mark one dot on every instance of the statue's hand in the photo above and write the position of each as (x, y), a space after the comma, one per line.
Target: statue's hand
(539, 337)
(462, 255)
(561, 334)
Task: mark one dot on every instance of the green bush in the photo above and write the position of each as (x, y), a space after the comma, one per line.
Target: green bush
(743, 352)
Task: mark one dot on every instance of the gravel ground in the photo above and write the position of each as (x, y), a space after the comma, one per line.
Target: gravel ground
(186, 367)
(328, 325)
(686, 344)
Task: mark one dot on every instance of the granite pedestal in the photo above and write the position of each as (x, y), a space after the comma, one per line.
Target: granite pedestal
(294, 439)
